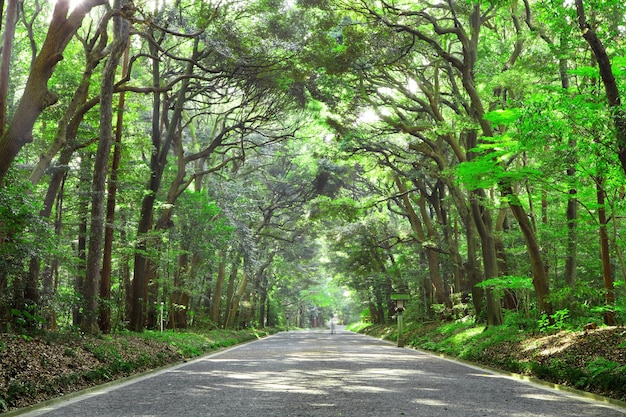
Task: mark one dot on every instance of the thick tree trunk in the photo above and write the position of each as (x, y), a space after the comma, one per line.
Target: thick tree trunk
(484, 226)
(179, 302)
(157, 166)
(268, 313)
(105, 280)
(434, 271)
(473, 271)
(152, 289)
(605, 256)
(540, 278)
(121, 27)
(234, 304)
(510, 299)
(452, 238)
(442, 292)
(483, 222)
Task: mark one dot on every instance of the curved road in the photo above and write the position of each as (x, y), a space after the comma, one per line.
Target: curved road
(314, 373)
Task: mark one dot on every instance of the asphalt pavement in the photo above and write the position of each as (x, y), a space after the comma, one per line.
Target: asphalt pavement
(318, 374)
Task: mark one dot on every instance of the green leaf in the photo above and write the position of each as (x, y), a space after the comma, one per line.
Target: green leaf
(592, 72)
(503, 117)
(511, 282)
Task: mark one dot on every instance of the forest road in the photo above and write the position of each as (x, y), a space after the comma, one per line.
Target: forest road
(315, 373)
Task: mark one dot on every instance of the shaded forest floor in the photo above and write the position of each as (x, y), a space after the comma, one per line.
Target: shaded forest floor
(37, 368)
(589, 360)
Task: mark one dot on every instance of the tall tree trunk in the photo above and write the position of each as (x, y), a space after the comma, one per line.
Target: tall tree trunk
(105, 279)
(268, 313)
(472, 266)
(261, 286)
(263, 301)
(125, 271)
(608, 80)
(234, 304)
(434, 267)
(37, 97)
(452, 239)
(179, 297)
(510, 299)
(5, 64)
(121, 27)
(540, 278)
(157, 166)
(214, 314)
(81, 250)
(605, 256)
(473, 272)
(571, 215)
(230, 288)
(484, 225)
(432, 255)
(152, 289)
(483, 222)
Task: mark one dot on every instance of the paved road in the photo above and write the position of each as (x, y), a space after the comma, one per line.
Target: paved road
(314, 373)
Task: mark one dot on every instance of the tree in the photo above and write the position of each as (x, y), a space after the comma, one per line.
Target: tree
(37, 96)
(608, 80)
(7, 47)
(121, 29)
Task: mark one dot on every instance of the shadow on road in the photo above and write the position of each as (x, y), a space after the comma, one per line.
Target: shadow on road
(315, 373)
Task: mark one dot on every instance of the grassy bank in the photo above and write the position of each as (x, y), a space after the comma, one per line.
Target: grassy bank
(591, 360)
(40, 367)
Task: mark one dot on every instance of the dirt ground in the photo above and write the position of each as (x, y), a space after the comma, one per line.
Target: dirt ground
(559, 357)
(40, 368)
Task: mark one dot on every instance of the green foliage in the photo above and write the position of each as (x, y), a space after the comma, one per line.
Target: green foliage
(492, 164)
(604, 374)
(554, 322)
(503, 117)
(24, 233)
(326, 208)
(510, 282)
(521, 321)
(27, 317)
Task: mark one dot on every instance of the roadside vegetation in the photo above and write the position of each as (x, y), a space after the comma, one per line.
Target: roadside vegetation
(592, 359)
(35, 368)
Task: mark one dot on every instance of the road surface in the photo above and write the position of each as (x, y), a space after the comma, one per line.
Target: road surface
(314, 373)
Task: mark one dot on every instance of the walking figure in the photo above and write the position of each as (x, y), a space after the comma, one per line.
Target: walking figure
(332, 327)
